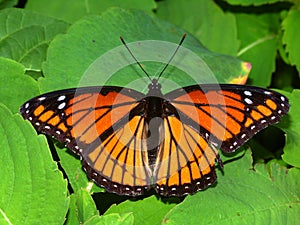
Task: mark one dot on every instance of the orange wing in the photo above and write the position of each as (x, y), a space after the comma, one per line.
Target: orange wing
(185, 162)
(93, 122)
(209, 117)
(228, 115)
(106, 126)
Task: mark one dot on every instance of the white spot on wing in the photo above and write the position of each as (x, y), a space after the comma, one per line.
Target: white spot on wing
(61, 98)
(26, 105)
(41, 98)
(248, 101)
(267, 92)
(61, 105)
(282, 98)
(248, 93)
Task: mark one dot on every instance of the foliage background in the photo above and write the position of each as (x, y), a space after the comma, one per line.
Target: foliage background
(46, 45)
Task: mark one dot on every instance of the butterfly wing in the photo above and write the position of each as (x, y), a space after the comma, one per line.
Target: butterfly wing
(228, 115)
(185, 161)
(207, 117)
(93, 122)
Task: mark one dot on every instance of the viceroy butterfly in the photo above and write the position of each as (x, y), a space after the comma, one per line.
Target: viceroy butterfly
(111, 127)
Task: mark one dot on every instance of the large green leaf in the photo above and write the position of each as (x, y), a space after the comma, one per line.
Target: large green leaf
(244, 196)
(17, 40)
(204, 19)
(95, 55)
(291, 125)
(291, 36)
(72, 10)
(15, 87)
(32, 188)
(258, 35)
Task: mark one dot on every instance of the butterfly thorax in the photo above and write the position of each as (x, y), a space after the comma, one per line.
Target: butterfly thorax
(154, 110)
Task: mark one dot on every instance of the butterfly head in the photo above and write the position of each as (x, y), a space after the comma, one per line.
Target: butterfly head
(154, 88)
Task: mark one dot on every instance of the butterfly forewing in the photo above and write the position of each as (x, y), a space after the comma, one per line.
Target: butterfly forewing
(228, 115)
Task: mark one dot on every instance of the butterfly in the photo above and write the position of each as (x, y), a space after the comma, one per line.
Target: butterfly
(130, 142)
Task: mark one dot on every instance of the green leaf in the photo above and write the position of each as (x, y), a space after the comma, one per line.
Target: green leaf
(252, 2)
(17, 40)
(291, 36)
(244, 196)
(147, 211)
(82, 208)
(32, 189)
(291, 125)
(15, 87)
(72, 10)
(7, 3)
(112, 219)
(83, 211)
(215, 29)
(258, 35)
(95, 55)
(76, 176)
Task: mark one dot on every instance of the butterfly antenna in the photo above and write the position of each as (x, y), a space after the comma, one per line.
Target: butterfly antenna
(180, 43)
(135, 59)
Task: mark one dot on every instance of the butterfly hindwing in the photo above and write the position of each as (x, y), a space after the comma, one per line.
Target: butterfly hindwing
(185, 161)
